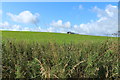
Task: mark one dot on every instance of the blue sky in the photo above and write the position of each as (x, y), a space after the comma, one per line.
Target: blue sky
(59, 16)
(60, 0)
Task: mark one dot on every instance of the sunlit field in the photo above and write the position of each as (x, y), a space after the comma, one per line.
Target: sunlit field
(56, 55)
(44, 37)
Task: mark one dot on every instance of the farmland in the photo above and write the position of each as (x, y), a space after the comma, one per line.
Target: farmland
(55, 55)
(43, 37)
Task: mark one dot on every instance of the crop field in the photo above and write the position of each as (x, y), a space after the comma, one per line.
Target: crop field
(55, 55)
(44, 37)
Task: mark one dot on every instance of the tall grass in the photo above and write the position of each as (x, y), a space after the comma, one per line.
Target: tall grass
(53, 60)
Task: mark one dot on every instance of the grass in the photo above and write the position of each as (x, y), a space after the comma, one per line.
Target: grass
(55, 55)
(43, 37)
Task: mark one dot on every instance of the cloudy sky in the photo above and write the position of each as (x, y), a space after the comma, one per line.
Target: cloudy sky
(90, 18)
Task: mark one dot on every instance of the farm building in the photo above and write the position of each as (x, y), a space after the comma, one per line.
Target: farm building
(70, 33)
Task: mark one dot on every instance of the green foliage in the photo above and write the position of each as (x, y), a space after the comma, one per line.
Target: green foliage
(51, 59)
(45, 37)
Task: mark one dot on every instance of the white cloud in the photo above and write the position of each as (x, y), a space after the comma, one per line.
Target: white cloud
(106, 24)
(80, 7)
(109, 11)
(67, 24)
(50, 29)
(57, 24)
(60, 24)
(24, 17)
(6, 26)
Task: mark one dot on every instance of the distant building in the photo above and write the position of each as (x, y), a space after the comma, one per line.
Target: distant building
(70, 33)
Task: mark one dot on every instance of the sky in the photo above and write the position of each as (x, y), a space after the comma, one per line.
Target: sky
(60, 0)
(90, 18)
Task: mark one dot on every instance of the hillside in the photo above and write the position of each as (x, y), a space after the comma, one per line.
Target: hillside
(44, 37)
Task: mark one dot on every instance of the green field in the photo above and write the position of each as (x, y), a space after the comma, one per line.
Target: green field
(44, 37)
(55, 55)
